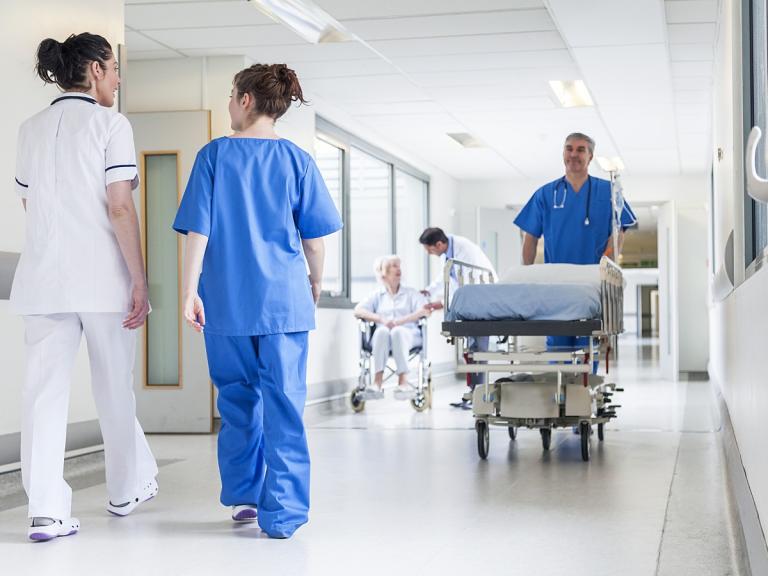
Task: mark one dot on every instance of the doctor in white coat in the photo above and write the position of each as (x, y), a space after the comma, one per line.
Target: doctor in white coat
(81, 272)
(438, 243)
(447, 247)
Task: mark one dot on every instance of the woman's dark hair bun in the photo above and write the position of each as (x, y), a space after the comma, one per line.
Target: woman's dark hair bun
(65, 63)
(49, 59)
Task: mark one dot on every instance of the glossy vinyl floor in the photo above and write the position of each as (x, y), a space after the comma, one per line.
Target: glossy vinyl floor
(396, 492)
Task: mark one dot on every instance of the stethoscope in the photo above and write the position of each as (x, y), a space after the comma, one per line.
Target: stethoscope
(562, 183)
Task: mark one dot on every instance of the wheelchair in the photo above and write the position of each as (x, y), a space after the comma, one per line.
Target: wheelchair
(422, 397)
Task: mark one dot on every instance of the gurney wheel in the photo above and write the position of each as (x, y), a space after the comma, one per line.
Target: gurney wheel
(546, 437)
(483, 438)
(585, 430)
(358, 404)
(601, 432)
(512, 432)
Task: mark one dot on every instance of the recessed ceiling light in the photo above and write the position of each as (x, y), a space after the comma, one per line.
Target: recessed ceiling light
(466, 140)
(305, 18)
(571, 93)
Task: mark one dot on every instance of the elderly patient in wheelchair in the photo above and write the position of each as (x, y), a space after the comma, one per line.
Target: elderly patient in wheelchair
(395, 312)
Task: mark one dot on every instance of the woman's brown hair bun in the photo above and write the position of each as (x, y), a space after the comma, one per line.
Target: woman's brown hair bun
(272, 86)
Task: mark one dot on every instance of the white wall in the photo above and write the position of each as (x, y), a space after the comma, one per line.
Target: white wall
(23, 25)
(739, 339)
(182, 84)
(692, 293)
(668, 320)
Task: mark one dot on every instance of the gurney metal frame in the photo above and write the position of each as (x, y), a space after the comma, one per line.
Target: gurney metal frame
(560, 387)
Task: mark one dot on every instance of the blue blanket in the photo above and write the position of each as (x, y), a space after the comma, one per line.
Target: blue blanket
(525, 302)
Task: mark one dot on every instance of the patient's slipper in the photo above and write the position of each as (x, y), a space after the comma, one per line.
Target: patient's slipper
(148, 492)
(404, 392)
(44, 529)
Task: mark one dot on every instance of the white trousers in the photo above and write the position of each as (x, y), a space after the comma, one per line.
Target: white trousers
(399, 340)
(52, 342)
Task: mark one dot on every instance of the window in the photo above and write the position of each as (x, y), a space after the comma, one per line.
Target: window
(755, 103)
(384, 204)
(160, 200)
(330, 159)
(410, 221)
(369, 220)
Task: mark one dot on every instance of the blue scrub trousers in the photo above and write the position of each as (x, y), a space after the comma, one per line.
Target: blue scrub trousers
(572, 342)
(263, 454)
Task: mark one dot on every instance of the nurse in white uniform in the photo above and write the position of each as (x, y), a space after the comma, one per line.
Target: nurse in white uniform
(81, 272)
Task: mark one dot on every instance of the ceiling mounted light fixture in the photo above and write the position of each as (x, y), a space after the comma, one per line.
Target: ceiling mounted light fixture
(466, 140)
(571, 93)
(614, 164)
(305, 18)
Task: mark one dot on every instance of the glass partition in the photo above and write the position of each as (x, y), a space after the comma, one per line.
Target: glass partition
(162, 256)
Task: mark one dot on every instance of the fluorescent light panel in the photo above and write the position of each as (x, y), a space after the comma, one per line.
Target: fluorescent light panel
(305, 18)
(571, 93)
(466, 140)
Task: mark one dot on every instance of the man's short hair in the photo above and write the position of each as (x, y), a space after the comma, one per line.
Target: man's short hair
(580, 136)
(432, 236)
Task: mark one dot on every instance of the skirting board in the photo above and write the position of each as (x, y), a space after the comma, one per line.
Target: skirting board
(752, 531)
(80, 435)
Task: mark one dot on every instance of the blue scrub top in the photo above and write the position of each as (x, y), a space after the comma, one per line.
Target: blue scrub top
(255, 199)
(556, 212)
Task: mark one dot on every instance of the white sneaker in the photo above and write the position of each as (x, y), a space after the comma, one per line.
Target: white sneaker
(57, 528)
(147, 493)
(244, 513)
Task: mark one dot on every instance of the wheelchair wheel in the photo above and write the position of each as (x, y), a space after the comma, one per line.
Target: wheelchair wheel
(483, 438)
(512, 432)
(601, 431)
(585, 430)
(422, 401)
(358, 404)
(546, 437)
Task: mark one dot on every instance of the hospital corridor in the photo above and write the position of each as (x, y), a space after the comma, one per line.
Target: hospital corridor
(426, 287)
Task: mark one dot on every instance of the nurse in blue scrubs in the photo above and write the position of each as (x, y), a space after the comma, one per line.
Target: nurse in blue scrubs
(254, 212)
(574, 215)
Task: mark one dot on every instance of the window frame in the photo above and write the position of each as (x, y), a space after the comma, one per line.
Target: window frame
(755, 215)
(345, 141)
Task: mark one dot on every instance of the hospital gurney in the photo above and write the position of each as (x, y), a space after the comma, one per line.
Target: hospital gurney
(546, 388)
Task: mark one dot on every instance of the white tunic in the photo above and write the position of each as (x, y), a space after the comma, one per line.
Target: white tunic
(66, 156)
(392, 306)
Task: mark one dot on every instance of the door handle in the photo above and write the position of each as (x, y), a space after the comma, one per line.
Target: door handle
(757, 187)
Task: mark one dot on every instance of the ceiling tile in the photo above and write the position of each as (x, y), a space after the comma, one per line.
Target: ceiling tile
(345, 9)
(692, 34)
(164, 15)
(631, 22)
(485, 61)
(470, 44)
(480, 23)
(691, 52)
(689, 11)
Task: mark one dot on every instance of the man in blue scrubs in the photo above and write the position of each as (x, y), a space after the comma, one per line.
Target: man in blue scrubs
(574, 215)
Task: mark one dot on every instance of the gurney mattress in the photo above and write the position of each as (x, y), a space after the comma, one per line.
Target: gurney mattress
(525, 302)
